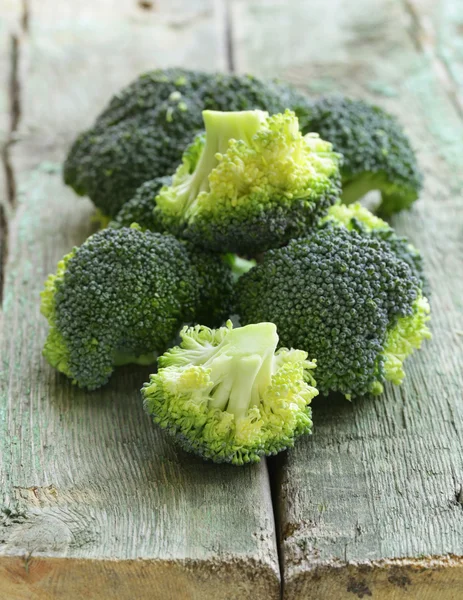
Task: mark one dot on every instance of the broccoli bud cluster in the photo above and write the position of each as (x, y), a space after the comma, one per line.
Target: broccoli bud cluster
(341, 297)
(122, 296)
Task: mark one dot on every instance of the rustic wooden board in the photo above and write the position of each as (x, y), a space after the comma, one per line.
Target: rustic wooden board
(9, 25)
(438, 30)
(372, 504)
(95, 501)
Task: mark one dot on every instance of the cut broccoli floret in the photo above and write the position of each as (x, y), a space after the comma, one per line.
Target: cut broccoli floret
(122, 296)
(144, 130)
(226, 394)
(257, 184)
(377, 153)
(344, 298)
(355, 216)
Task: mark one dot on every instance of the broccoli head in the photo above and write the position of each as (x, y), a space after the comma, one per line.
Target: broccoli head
(122, 296)
(226, 395)
(256, 184)
(140, 208)
(344, 298)
(377, 153)
(355, 216)
(146, 127)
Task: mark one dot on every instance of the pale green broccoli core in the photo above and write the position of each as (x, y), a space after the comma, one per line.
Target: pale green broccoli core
(241, 366)
(229, 396)
(221, 127)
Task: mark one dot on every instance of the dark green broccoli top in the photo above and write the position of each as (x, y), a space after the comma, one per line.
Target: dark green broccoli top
(145, 128)
(358, 217)
(377, 153)
(344, 298)
(122, 296)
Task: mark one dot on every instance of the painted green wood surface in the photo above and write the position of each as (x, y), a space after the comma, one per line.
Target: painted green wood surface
(372, 503)
(98, 503)
(439, 32)
(95, 501)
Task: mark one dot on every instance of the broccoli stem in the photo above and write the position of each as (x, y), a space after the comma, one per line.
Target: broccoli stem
(221, 127)
(242, 368)
(239, 266)
(358, 188)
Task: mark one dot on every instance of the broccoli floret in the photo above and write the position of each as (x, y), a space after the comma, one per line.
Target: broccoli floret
(145, 128)
(122, 296)
(108, 163)
(140, 208)
(226, 395)
(355, 216)
(257, 184)
(377, 153)
(344, 298)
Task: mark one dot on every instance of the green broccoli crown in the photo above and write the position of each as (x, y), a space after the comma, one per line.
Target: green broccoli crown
(355, 216)
(226, 395)
(377, 153)
(122, 296)
(344, 298)
(145, 128)
(257, 183)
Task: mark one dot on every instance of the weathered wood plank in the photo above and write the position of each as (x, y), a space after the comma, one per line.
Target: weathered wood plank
(372, 504)
(96, 502)
(438, 30)
(9, 25)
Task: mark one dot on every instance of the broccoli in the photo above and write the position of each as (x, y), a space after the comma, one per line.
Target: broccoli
(257, 183)
(140, 208)
(377, 153)
(355, 216)
(344, 298)
(226, 395)
(145, 128)
(122, 296)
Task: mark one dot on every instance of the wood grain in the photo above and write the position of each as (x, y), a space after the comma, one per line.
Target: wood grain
(372, 503)
(95, 501)
(9, 26)
(438, 29)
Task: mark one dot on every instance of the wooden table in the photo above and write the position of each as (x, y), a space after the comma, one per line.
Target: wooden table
(96, 502)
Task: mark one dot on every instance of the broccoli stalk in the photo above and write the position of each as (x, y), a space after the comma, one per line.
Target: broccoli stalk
(252, 184)
(377, 154)
(221, 127)
(227, 396)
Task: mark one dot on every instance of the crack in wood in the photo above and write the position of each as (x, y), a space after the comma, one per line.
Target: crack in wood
(424, 39)
(25, 14)
(3, 248)
(229, 50)
(15, 115)
(275, 470)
